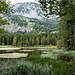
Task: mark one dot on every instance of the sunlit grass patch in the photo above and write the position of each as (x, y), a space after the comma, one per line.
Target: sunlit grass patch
(49, 56)
(26, 50)
(41, 47)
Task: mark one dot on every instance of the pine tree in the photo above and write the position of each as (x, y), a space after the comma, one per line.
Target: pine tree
(43, 40)
(65, 9)
(37, 41)
(14, 41)
(48, 40)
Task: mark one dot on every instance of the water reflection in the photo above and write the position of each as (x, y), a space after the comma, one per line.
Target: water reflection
(5, 51)
(13, 55)
(17, 53)
(34, 52)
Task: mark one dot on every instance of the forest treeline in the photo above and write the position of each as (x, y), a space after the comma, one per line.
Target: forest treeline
(28, 39)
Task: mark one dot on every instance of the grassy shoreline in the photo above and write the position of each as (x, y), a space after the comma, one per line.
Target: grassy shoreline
(59, 67)
(7, 46)
(30, 47)
(40, 47)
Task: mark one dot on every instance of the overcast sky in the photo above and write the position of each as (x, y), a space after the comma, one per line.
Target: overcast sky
(17, 1)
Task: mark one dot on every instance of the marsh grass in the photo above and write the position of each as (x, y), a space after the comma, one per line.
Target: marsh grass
(8, 62)
(28, 69)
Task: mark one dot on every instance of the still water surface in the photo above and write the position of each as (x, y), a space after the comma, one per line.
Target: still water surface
(17, 53)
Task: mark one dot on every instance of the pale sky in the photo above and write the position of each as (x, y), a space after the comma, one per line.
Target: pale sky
(17, 1)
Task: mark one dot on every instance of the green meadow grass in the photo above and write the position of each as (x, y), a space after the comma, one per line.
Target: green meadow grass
(30, 47)
(40, 47)
(6, 46)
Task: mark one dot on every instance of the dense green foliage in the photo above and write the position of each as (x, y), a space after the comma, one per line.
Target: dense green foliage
(67, 25)
(2, 31)
(67, 56)
(28, 39)
(4, 8)
(65, 9)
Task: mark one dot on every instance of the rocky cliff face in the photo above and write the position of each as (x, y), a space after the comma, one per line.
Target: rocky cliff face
(29, 9)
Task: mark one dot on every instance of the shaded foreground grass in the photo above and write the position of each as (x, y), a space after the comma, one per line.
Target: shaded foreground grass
(59, 67)
(28, 69)
(8, 62)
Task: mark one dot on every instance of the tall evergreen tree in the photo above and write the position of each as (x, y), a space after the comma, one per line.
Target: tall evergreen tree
(43, 40)
(37, 41)
(14, 41)
(65, 9)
